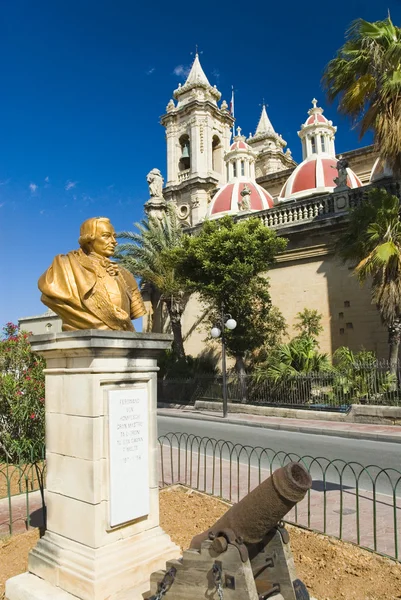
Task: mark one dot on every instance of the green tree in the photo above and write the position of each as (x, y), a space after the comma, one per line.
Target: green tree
(22, 398)
(222, 263)
(366, 78)
(373, 240)
(147, 254)
(309, 323)
(258, 323)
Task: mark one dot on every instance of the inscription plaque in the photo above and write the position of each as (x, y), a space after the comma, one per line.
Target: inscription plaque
(129, 459)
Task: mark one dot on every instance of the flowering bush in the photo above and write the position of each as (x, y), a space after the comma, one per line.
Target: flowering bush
(22, 398)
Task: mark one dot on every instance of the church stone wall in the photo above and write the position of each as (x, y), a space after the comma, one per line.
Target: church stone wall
(321, 283)
(324, 284)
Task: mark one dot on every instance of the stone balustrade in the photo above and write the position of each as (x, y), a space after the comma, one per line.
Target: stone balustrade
(183, 176)
(315, 208)
(318, 207)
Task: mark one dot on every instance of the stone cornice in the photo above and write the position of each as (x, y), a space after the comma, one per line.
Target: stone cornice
(197, 104)
(365, 150)
(304, 253)
(275, 176)
(194, 181)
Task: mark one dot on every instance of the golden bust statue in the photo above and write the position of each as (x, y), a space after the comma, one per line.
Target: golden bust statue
(86, 289)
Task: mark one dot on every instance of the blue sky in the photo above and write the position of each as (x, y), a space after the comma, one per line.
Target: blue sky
(84, 84)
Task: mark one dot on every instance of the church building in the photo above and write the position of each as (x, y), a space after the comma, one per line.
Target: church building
(210, 174)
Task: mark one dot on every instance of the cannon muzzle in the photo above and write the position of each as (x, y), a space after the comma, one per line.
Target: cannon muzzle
(263, 508)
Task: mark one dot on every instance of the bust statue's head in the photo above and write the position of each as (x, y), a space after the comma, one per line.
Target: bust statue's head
(97, 235)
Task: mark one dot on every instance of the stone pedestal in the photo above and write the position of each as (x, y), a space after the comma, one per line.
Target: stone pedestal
(103, 538)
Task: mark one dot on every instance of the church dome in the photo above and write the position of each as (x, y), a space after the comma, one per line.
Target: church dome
(229, 201)
(380, 170)
(239, 144)
(315, 175)
(316, 118)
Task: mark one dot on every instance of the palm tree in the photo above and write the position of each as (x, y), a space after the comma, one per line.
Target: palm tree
(147, 254)
(288, 374)
(299, 357)
(366, 77)
(373, 239)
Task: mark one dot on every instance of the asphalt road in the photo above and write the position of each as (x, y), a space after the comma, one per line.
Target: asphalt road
(382, 454)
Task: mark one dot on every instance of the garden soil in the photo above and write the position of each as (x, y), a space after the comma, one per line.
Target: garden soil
(332, 570)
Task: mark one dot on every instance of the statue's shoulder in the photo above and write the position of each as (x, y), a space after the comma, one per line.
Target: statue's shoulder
(64, 261)
(125, 272)
(128, 276)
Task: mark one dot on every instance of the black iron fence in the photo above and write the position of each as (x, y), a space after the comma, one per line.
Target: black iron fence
(316, 391)
(351, 501)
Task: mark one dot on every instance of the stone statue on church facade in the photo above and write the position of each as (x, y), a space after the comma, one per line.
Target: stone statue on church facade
(342, 166)
(86, 289)
(155, 181)
(245, 202)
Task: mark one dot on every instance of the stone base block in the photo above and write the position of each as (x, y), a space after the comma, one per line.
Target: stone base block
(61, 569)
(31, 587)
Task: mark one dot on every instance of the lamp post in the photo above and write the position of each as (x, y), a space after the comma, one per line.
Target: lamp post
(226, 321)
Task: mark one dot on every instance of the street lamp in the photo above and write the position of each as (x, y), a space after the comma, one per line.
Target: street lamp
(226, 321)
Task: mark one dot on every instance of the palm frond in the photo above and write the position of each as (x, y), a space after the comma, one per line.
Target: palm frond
(365, 77)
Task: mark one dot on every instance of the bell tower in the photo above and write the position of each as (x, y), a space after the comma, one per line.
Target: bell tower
(198, 134)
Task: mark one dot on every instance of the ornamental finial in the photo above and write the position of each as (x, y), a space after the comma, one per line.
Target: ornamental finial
(314, 102)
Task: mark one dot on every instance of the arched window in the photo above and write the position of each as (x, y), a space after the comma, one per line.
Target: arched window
(323, 144)
(217, 155)
(313, 144)
(185, 159)
(234, 169)
(242, 168)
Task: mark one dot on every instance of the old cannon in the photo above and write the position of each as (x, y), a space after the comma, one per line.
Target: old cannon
(246, 554)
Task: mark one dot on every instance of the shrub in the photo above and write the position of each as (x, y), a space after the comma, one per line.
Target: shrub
(22, 398)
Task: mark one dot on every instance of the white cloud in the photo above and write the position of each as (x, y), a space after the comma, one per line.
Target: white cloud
(150, 71)
(216, 74)
(70, 184)
(5, 182)
(47, 180)
(182, 70)
(2, 204)
(33, 187)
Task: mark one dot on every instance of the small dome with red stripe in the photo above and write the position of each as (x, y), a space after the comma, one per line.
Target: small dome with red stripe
(229, 201)
(317, 118)
(239, 145)
(315, 175)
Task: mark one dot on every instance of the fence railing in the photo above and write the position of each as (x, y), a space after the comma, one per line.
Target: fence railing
(22, 485)
(334, 391)
(353, 502)
(350, 501)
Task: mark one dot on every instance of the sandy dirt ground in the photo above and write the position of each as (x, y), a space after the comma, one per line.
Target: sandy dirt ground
(331, 569)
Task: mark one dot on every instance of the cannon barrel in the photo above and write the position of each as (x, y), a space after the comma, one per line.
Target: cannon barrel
(263, 508)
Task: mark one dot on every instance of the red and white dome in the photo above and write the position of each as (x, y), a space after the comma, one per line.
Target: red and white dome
(228, 200)
(315, 175)
(239, 145)
(316, 118)
(380, 170)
